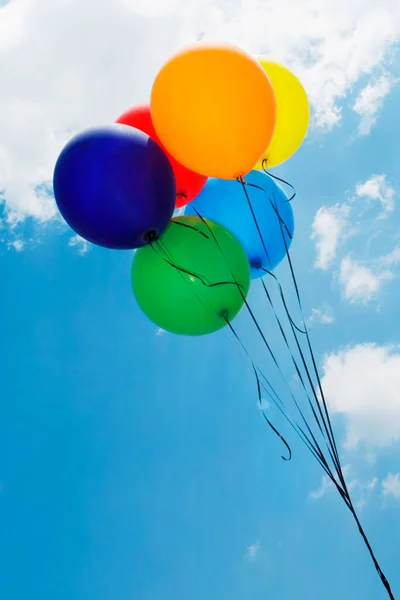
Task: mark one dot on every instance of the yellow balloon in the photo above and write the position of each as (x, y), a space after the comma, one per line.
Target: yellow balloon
(292, 114)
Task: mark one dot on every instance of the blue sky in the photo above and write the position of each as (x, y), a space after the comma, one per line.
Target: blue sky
(135, 464)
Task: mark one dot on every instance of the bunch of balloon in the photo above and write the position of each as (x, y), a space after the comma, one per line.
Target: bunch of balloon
(225, 115)
(215, 115)
(212, 109)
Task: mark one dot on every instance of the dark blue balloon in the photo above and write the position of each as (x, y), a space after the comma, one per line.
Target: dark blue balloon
(224, 201)
(115, 186)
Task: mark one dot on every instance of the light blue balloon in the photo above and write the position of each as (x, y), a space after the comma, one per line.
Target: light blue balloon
(225, 202)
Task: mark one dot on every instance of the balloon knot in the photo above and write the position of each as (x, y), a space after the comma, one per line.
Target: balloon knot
(224, 314)
(256, 263)
(151, 236)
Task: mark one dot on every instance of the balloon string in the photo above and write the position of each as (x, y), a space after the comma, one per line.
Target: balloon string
(311, 443)
(181, 224)
(290, 318)
(272, 394)
(258, 187)
(293, 359)
(264, 167)
(332, 447)
(191, 274)
(344, 492)
(325, 417)
(282, 224)
(191, 288)
(242, 181)
(259, 386)
(260, 331)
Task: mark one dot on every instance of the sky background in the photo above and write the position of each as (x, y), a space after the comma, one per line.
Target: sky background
(135, 464)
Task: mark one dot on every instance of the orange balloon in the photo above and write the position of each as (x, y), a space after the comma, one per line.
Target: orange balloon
(213, 108)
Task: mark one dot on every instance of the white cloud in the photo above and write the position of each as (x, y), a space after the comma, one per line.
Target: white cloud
(160, 331)
(362, 281)
(326, 485)
(80, 244)
(321, 315)
(376, 188)
(361, 384)
(332, 227)
(17, 245)
(359, 492)
(391, 486)
(62, 71)
(252, 551)
(393, 258)
(359, 282)
(370, 100)
(328, 229)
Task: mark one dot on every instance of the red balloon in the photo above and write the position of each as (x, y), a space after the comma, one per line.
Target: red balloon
(188, 183)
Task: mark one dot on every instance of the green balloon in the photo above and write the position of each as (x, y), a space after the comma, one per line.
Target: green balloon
(187, 281)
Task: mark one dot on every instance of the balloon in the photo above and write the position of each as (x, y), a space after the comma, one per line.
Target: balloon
(292, 114)
(188, 183)
(213, 108)
(201, 296)
(114, 186)
(225, 202)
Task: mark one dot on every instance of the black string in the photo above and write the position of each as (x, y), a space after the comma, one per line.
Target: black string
(343, 491)
(242, 181)
(327, 424)
(266, 418)
(315, 450)
(318, 449)
(190, 273)
(262, 333)
(272, 394)
(340, 473)
(259, 386)
(181, 270)
(264, 167)
(282, 224)
(181, 224)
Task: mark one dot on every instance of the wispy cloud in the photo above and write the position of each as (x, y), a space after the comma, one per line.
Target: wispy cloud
(361, 280)
(360, 283)
(252, 551)
(17, 245)
(326, 485)
(323, 315)
(360, 492)
(370, 100)
(329, 231)
(81, 245)
(377, 188)
(391, 486)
